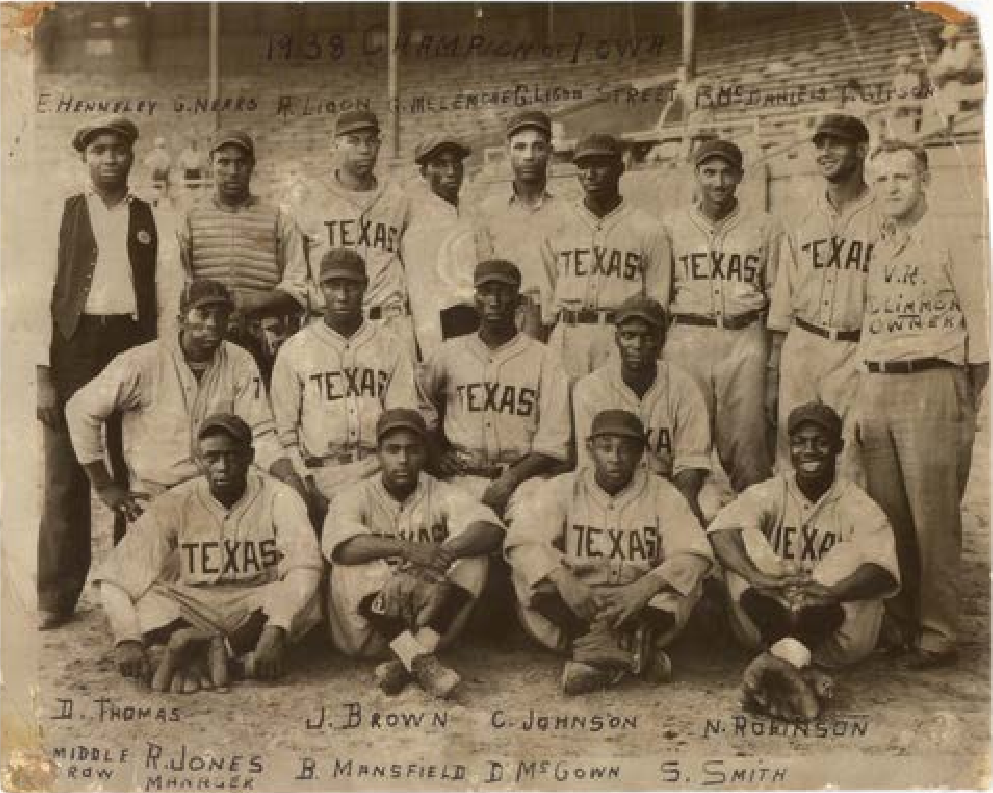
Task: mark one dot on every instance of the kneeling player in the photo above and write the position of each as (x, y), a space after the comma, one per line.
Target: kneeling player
(611, 562)
(222, 566)
(409, 558)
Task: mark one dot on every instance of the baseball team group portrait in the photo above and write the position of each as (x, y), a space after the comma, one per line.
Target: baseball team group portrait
(614, 364)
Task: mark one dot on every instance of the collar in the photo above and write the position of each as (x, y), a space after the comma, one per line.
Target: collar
(335, 186)
(634, 488)
(175, 349)
(253, 486)
(864, 200)
(515, 198)
(617, 376)
(91, 192)
(250, 201)
(585, 212)
(337, 338)
(484, 349)
(899, 236)
(833, 493)
(423, 481)
(696, 213)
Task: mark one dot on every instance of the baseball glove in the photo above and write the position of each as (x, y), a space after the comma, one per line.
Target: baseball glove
(775, 687)
(411, 595)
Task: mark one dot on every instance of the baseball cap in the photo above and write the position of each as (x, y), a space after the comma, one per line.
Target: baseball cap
(400, 419)
(354, 120)
(229, 423)
(597, 145)
(816, 413)
(722, 149)
(846, 127)
(342, 263)
(238, 137)
(204, 292)
(432, 144)
(529, 118)
(120, 125)
(618, 422)
(641, 307)
(498, 270)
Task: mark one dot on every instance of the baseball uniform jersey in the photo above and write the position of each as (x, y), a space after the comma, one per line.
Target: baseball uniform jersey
(162, 406)
(646, 529)
(821, 283)
(592, 264)
(219, 563)
(830, 539)
(672, 410)
(327, 394)
(433, 513)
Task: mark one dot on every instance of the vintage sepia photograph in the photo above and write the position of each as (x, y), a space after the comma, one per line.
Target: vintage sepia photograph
(496, 396)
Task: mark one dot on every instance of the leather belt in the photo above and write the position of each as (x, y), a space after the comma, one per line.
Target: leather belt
(739, 322)
(827, 333)
(908, 367)
(486, 471)
(342, 458)
(107, 319)
(586, 316)
(382, 312)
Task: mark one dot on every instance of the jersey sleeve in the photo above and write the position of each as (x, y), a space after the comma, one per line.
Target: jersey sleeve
(530, 545)
(287, 406)
(252, 404)
(756, 509)
(460, 509)
(872, 532)
(658, 264)
(136, 562)
(549, 261)
(775, 232)
(554, 420)
(116, 389)
(781, 304)
(583, 410)
(295, 538)
(348, 516)
(293, 257)
(692, 440)
(686, 551)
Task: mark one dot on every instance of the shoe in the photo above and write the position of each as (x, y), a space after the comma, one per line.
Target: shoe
(437, 680)
(658, 670)
(392, 677)
(921, 660)
(579, 678)
(49, 620)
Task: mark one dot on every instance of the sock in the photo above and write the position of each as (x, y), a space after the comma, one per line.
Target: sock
(407, 648)
(428, 638)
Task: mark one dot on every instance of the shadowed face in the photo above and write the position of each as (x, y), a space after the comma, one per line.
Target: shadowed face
(343, 299)
(496, 303)
(402, 455)
(358, 151)
(225, 462)
(615, 459)
(202, 329)
(600, 175)
(813, 452)
(108, 158)
(838, 158)
(232, 171)
(529, 151)
(718, 181)
(444, 173)
(639, 344)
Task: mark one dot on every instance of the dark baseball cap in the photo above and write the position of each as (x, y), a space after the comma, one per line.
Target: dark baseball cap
(343, 263)
(842, 126)
(354, 120)
(229, 424)
(815, 413)
(400, 419)
(431, 145)
(236, 137)
(641, 307)
(529, 118)
(722, 149)
(618, 422)
(204, 292)
(119, 125)
(499, 270)
(597, 145)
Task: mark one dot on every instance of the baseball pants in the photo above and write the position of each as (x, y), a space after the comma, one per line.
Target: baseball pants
(582, 348)
(835, 640)
(814, 368)
(729, 366)
(353, 633)
(916, 432)
(65, 531)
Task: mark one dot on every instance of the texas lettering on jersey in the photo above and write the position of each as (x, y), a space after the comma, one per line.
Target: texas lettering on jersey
(713, 265)
(352, 381)
(363, 232)
(489, 397)
(616, 545)
(607, 262)
(232, 560)
(801, 543)
(838, 252)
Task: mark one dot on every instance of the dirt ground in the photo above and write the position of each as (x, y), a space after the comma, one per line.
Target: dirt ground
(934, 724)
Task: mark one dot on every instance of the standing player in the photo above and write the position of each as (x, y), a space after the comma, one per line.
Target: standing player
(408, 559)
(512, 222)
(502, 398)
(251, 247)
(724, 262)
(924, 357)
(663, 396)
(103, 300)
(333, 379)
(610, 557)
(351, 208)
(604, 251)
(819, 296)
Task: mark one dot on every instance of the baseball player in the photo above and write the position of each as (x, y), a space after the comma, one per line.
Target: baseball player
(408, 559)
(224, 566)
(608, 561)
(924, 357)
(502, 398)
(663, 396)
(808, 555)
(164, 390)
(333, 379)
(512, 222)
(351, 208)
(819, 296)
(604, 251)
(444, 241)
(724, 260)
(103, 296)
(253, 248)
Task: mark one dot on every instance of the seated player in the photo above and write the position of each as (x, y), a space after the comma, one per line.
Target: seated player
(609, 562)
(408, 559)
(222, 566)
(666, 398)
(808, 556)
(502, 398)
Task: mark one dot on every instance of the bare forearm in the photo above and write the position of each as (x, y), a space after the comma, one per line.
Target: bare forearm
(367, 548)
(729, 548)
(98, 475)
(274, 302)
(868, 582)
(688, 483)
(477, 539)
